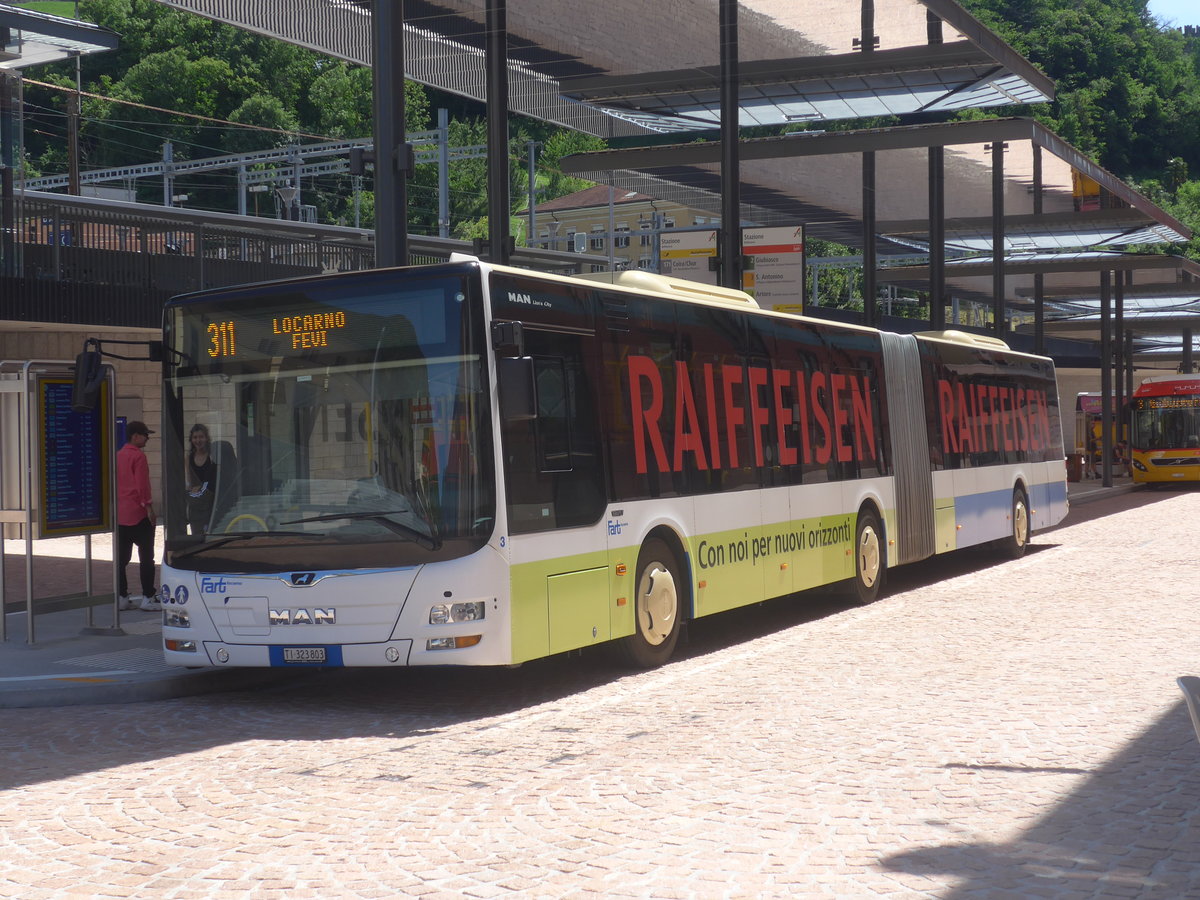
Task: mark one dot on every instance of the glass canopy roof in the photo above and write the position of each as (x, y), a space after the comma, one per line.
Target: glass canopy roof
(585, 65)
(32, 38)
(816, 178)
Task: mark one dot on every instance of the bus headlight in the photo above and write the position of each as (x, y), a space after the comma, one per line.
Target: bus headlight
(446, 613)
(174, 617)
(1137, 464)
(180, 646)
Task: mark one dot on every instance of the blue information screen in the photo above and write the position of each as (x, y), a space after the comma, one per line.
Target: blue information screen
(74, 472)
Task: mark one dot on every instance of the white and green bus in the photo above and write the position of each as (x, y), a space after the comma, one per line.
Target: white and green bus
(479, 465)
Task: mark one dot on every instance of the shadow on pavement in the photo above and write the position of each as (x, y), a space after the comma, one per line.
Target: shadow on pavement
(1132, 829)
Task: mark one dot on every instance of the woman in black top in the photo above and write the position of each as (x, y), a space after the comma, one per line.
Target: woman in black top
(201, 479)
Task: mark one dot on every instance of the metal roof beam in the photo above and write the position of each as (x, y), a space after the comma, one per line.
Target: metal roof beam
(609, 88)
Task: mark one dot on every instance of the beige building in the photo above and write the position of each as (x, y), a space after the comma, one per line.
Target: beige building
(582, 221)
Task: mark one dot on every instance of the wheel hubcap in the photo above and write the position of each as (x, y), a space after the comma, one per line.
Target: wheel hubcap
(1020, 524)
(658, 603)
(868, 556)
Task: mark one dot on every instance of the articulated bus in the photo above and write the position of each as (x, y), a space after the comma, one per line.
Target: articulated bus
(1165, 438)
(471, 464)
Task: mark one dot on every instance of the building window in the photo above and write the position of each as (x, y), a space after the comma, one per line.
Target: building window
(621, 237)
(645, 262)
(597, 267)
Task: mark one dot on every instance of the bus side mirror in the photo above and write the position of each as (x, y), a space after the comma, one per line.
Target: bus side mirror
(508, 339)
(518, 398)
(89, 377)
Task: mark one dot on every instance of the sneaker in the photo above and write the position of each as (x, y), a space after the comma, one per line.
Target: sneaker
(150, 604)
(128, 603)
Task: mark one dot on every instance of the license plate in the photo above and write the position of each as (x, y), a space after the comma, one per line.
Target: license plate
(304, 654)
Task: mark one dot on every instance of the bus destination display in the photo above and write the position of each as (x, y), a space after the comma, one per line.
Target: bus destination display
(301, 332)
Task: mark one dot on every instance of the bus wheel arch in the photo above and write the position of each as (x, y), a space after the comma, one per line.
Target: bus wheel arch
(661, 600)
(870, 555)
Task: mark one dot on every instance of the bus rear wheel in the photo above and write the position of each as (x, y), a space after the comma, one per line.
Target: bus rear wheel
(656, 608)
(870, 559)
(1014, 545)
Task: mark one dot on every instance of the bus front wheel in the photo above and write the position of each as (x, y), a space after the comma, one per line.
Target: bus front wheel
(656, 608)
(870, 561)
(1014, 545)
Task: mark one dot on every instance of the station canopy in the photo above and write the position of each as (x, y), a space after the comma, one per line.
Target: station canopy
(816, 179)
(1158, 294)
(628, 68)
(29, 38)
(625, 69)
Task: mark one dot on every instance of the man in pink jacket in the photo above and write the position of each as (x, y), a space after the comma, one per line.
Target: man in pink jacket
(135, 516)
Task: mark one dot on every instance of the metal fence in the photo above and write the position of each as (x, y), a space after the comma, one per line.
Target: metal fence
(88, 261)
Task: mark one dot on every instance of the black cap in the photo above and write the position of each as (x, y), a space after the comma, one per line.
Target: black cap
(136, 427)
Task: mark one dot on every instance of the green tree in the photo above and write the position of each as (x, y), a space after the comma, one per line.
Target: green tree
(1127, 92)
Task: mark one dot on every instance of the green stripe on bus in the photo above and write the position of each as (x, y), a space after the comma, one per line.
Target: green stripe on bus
(574, 601)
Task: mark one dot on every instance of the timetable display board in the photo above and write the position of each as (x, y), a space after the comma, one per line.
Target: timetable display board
(73, 448)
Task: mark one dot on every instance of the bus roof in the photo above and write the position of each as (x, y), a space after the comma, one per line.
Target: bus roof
(1168, 386)
(673, 287)
(694, 292)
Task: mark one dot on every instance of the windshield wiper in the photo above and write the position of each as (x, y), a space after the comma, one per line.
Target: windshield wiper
(432, 541)
(230, 536)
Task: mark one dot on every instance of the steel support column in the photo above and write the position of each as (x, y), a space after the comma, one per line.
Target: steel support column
(870, 314)
(9, 85)
(731, 195)
(497, 130)
(937, 238)
(1128, 373)
(1128, 339)
(998, 237)
(1039, 280)
(1118, 346)
(391, 154)
(1106, 377)
(1186, 362)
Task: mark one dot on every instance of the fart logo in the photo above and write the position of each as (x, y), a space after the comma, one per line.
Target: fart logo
(210, 585)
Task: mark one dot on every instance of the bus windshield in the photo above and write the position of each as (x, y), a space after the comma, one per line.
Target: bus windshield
(1166, 423)
(333, 426)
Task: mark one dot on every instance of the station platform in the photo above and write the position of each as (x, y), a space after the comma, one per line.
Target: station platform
(109, 657)
(117, 656)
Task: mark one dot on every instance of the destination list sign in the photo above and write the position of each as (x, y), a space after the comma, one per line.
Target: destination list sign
(74, 465)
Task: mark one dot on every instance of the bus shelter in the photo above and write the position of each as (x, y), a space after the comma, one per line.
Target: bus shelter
(57, 479)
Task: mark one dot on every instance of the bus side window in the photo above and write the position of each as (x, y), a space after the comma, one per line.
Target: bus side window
(553, 467)
(553, 415)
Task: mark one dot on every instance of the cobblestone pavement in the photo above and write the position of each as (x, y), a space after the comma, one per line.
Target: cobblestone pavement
(995, 730)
